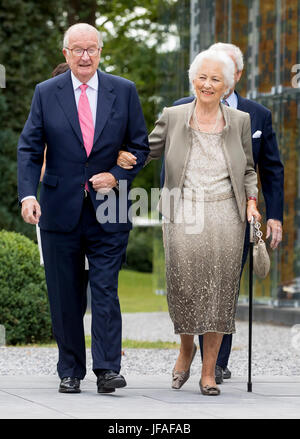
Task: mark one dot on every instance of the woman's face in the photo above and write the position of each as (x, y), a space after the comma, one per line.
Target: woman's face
(209, 82)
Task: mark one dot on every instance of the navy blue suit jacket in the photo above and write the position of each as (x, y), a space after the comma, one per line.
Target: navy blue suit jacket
(265, 154)
(53, 120)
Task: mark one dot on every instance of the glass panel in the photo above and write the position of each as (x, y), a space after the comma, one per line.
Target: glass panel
(222, 20)
(239, 36)
(267, 45)
(173, 68)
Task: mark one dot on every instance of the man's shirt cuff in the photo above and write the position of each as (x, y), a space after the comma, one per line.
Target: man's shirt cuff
(26, 198)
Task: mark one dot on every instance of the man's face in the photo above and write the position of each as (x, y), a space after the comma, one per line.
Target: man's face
(84, 66)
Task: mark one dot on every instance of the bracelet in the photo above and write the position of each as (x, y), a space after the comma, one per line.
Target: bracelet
(252, 198)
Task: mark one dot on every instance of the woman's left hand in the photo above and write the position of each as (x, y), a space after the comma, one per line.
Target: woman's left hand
(252, 211)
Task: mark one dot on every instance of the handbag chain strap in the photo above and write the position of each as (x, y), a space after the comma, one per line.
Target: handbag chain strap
(258, 232)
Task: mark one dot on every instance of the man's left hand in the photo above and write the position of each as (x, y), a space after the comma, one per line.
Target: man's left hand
(103, 182)
(274, 227)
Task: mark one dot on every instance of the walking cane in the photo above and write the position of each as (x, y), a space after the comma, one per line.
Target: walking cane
(251, 242)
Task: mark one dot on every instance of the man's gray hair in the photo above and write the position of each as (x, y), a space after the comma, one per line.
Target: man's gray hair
(83, 27)
(231, 49)
(226, 62)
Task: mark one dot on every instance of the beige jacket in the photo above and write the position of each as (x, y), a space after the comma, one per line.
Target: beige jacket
(172, 136)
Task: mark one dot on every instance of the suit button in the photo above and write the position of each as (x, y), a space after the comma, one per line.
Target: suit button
(86, 165)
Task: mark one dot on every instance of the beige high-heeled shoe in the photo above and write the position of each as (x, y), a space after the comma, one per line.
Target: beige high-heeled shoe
(209, 390)
(179, 378)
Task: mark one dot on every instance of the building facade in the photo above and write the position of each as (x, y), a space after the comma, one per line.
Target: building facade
(268, 33)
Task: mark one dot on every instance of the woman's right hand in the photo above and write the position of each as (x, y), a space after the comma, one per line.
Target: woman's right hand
(252, 211)
(126, 160)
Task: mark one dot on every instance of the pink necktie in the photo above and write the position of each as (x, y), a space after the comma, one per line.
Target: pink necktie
(86, 121)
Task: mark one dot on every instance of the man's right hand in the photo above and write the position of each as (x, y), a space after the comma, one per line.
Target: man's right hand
(31, 211)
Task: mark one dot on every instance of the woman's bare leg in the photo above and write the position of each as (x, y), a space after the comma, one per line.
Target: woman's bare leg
(211, 346)
(186, 352)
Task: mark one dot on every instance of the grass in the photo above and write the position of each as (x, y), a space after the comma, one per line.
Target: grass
(141, 344)
(126, 344)
(136, 293)
(137, 344)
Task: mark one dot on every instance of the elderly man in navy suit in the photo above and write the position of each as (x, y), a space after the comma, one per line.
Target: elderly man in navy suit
(84, 116)
(266, 157)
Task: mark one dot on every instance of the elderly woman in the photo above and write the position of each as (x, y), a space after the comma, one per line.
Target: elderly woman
(208, 158)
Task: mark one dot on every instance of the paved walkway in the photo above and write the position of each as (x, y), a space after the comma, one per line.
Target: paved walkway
(149, 397)
(28, 381)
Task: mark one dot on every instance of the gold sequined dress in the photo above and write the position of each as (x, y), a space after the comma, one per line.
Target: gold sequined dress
(203, 269)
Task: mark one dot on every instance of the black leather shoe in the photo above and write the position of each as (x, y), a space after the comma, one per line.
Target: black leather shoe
(226, 373)
(69, 385)
(109, 380)
(219, 374)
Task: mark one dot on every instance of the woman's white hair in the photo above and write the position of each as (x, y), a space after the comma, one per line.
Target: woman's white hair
(82, 27)
(233, 50)
(226, 62)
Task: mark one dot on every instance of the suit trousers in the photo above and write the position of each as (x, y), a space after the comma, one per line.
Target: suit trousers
(64, 258)
(225, 348)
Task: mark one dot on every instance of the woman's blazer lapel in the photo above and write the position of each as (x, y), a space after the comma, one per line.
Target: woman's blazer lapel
(183, 152)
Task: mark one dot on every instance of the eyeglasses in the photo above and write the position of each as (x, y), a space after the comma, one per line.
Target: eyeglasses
(91, 51)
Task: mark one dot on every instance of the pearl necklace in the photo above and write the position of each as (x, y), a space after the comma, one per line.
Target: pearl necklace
(215, 125)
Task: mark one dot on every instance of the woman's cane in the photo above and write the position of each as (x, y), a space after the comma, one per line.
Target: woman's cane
(251, 242)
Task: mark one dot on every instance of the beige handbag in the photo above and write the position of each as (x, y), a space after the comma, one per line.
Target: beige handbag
(261, 259)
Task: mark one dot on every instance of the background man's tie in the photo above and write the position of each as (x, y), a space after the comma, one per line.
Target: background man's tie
(225, 102)
(86, 122)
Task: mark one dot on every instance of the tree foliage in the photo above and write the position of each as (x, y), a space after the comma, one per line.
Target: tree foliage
(29, 37)
(136, 36)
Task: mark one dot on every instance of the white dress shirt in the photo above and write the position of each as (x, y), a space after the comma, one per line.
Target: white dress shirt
(92, 95)
(91, 92)
(232, 100)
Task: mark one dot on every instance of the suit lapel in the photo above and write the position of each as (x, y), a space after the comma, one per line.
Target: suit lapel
(229, 150)
(242, 106)
(106, 98)
(184, 153)
(66, 98)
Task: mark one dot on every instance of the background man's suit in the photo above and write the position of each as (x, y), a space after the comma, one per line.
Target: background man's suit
(266, 156)
(68, 222)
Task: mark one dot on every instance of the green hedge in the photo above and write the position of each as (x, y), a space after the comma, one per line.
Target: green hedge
(139, 253)
(24, 308)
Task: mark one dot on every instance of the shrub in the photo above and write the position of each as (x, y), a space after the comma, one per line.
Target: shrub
(140, 249)
(24, 308)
